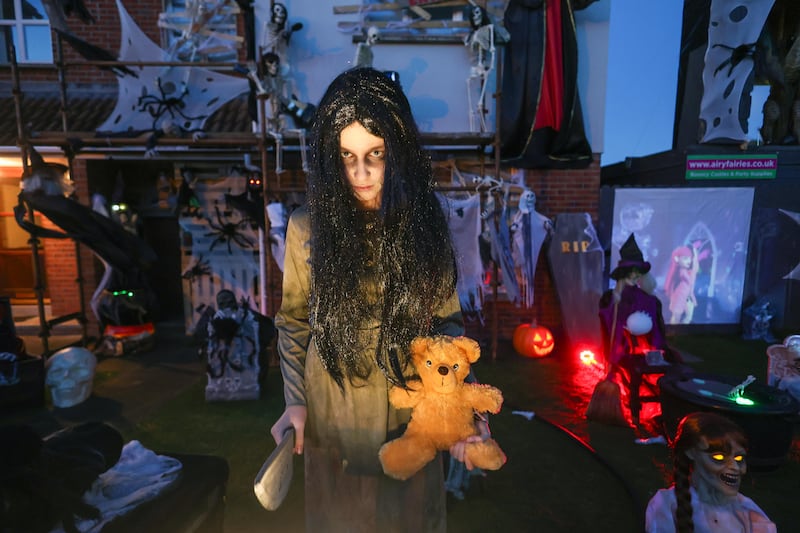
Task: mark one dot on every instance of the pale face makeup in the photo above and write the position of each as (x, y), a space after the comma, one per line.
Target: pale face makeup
(717, 475)
(363, 155)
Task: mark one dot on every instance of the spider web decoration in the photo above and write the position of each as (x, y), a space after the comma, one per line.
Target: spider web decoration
(183, 96)
(204, 29)
(207, 264)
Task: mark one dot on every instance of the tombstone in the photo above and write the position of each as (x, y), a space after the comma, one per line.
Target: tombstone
(232, 352)
(576, 264)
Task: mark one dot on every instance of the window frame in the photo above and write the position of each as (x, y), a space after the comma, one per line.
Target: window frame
(17, 27)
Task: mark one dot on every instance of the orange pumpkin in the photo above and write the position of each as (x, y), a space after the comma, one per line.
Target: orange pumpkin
(531, 340)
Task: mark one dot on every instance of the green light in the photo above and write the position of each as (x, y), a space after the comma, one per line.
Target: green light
(741, 400)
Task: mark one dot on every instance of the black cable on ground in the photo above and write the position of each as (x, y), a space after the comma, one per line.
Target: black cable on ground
(637, 504)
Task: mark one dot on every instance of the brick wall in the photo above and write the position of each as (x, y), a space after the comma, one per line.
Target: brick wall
(104, 33)
(557, 191)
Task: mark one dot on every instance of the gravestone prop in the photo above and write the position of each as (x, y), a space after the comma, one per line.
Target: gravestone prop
(232, 351)
(576, 263)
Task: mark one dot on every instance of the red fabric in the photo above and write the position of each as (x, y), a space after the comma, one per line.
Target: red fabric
(550, 111)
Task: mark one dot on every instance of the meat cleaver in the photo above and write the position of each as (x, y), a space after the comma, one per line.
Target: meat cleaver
(273, 480)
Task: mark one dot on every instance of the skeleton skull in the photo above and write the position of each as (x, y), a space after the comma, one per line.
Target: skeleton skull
(279, 14)
(478, 17)
(70, 372)
(373, 35)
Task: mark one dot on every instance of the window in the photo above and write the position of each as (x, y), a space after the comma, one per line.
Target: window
(24, 23)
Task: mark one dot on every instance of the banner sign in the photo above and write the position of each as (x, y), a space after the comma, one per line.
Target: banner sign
(737, 167)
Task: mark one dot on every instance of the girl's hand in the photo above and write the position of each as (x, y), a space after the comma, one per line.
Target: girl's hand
(459, 450)
(293, 417)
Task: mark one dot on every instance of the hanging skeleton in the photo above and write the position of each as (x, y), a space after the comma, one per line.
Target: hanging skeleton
(364, 56)
(481, 42)
(275, 36)
(282, 104)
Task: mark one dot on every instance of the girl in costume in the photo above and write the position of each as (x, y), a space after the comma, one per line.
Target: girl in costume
(369, 266)
(710, 458)
(679, 284)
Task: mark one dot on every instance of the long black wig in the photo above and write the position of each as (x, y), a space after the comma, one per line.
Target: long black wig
(389, 268)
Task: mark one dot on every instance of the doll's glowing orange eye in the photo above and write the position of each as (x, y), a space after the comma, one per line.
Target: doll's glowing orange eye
(739, 458)
(717, 456)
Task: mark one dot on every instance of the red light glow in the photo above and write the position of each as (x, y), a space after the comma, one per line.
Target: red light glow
(588, 357)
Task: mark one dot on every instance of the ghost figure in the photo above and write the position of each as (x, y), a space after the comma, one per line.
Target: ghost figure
(70, 373)
(364, 56)
(529, 231)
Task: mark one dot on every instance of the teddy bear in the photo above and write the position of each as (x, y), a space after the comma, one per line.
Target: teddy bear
(443, 408)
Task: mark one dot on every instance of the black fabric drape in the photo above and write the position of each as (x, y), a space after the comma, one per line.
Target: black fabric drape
(523, 68)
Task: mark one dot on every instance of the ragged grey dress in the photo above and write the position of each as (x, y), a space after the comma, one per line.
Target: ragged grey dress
(345, 488)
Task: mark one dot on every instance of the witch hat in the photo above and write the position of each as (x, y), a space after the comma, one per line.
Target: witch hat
(630, 258)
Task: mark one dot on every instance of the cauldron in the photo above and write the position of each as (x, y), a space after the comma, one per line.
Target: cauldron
(768, 422)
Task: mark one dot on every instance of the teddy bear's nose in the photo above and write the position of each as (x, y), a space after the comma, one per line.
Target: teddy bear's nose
(443, 370)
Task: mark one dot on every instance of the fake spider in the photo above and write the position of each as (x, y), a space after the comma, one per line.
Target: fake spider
(169, 101)
(199, 269)
(738, 54)
(226, 232)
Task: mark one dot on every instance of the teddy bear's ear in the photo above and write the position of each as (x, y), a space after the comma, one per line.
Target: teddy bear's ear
(419, 344)
(470, 347)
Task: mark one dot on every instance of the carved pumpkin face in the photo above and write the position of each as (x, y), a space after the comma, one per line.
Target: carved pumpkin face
(531, 340)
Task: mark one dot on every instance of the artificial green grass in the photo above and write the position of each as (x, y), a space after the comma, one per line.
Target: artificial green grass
(563, 473)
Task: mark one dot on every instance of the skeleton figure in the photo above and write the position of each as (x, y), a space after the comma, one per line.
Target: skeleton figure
(70, 373)
(481, 42)
(276, 35)
(364, 56)
(282, 103)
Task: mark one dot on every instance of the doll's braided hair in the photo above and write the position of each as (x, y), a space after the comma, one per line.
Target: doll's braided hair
(389, 268)
(717, 431)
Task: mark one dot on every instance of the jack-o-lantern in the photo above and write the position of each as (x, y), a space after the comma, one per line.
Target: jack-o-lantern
(531, 340)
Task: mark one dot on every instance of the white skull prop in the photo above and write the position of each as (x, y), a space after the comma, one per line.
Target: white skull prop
(70, 373)
(373, 35)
